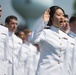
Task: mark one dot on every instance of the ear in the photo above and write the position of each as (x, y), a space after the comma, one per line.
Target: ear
(6, 24)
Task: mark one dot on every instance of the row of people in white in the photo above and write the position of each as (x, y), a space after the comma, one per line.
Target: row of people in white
(10, 46)
(57, 49)
(28, 54)
(28, 59)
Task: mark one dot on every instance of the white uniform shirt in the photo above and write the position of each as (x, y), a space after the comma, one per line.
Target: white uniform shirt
(14, 47)
(37, 59)
(3, 49)
(53, 46)
(73, 35)
(28, 57)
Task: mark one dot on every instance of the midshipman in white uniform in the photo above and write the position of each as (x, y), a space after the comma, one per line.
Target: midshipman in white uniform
(14, 45)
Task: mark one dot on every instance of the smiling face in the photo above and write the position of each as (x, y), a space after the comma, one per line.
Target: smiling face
(58, 18)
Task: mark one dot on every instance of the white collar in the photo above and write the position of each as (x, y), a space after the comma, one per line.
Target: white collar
(26, 42)
(54, 28)
(60, 32)
(72, 34)
(11, 33)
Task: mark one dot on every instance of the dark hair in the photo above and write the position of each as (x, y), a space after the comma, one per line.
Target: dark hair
(52, 12)
(26, 31)
(72, 19)
(66, 16)
(7, 20)
(18, 31)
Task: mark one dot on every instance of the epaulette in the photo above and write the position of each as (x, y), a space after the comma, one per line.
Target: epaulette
(2, 25)
(47, 27)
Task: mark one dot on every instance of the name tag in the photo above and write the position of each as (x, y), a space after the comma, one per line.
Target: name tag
(19, 43)
(72, 43)
(3, 33)
(64, 38)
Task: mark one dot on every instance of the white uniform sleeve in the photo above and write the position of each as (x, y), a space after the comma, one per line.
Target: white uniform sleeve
(35, 36)
(6, 48)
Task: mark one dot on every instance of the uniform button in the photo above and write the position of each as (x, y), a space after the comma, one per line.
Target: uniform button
(59, 56)
(59, 37)
(60, 50)
(58, 62)
(60, 43)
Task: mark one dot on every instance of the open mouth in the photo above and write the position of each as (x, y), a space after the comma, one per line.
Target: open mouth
(61, 21)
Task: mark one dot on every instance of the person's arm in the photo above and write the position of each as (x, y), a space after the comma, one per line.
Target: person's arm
(6, 47)
(35, 36)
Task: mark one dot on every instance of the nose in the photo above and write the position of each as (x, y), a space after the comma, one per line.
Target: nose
(62, 16)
